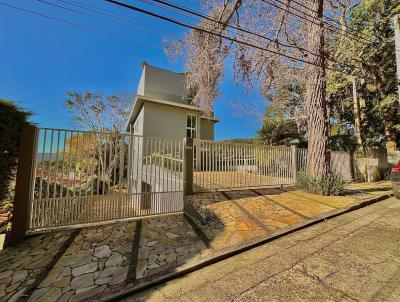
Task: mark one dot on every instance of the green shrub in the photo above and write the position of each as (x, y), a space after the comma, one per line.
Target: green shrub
(12, 119)
(332, 184)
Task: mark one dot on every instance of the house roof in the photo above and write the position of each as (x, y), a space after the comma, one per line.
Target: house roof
(141, 99)
(211, 118)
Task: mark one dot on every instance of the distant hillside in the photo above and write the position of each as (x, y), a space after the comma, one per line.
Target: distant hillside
(46, 156)
(241, 141)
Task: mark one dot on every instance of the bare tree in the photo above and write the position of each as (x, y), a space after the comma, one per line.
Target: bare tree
(94, 112)
(283, 43)
(106, 119)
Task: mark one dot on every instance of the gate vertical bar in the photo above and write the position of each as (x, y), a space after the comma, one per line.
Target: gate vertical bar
(25, 183)
(121, 173)
(188, 167)
(294, 163)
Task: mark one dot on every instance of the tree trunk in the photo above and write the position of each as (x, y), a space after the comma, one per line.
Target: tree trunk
(318, 159)
(357, 118)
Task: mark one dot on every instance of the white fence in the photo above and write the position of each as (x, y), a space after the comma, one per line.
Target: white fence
(219, 165)
(83, 177)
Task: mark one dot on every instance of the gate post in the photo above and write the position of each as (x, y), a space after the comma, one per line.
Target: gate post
(294, 162)
(24, 184)
(188, 167)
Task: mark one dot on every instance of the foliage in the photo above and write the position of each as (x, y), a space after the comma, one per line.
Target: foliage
(50, 189)
(331, 184)
(81, 151)
(94, 112)
(105, 116)
(371, 60)
(7, 203)
(278, 130)
(240, 141)
(190, 95)
(343, 142)
(12, 119)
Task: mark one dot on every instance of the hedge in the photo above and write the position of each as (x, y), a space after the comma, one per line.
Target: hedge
(12, 119)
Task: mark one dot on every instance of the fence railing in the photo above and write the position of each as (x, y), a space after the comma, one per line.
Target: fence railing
(221, 165)
(72, 177)
(82, 177)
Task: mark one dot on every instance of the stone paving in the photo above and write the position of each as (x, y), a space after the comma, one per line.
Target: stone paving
(227, 224)
(90, 263)
(304, 206)
(167, 242)
(240, 216)
(21, 266)
(270, 214)
(201, 201)
(99, 257)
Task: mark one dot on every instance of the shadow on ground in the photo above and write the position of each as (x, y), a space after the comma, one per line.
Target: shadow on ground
(96, 262)
(89, 263)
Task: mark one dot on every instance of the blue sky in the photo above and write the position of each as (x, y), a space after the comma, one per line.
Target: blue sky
(42, 59)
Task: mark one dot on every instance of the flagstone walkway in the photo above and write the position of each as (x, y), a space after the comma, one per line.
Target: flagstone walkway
(90, 263)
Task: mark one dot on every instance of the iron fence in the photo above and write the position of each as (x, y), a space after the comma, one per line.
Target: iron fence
(82, 177)
(221, 165)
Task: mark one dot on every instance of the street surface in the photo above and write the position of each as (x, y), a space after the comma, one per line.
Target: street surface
(354, 257)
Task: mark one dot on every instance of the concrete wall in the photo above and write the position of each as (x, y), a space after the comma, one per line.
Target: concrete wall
(163, 84)
(137, 127)
(165, 121)
(140, 89)
(341, 163)
(206, 129)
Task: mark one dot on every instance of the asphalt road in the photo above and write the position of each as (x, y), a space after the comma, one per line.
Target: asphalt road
(354, 257)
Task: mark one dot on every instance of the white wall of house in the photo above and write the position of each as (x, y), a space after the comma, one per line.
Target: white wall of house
(158, 91)
(137, 127)
(206, 129)
(162, 84)
(140, 89)
(165, 121)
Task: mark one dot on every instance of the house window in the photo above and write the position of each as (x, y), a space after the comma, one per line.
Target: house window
(191, 121)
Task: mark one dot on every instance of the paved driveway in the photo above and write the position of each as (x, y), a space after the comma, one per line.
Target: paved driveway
(354, 257)
(97, 261)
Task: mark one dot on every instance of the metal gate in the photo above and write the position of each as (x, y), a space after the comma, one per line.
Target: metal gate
(82, 177)
(219, 165)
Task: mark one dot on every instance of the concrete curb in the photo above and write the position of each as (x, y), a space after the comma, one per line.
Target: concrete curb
(227, 253)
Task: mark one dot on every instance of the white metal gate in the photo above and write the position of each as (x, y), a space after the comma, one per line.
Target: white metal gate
(219, 165)
(82, 177)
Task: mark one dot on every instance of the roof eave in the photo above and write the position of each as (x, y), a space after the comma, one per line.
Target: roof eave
(140, 99)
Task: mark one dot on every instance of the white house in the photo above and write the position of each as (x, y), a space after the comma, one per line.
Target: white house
(162, 108)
